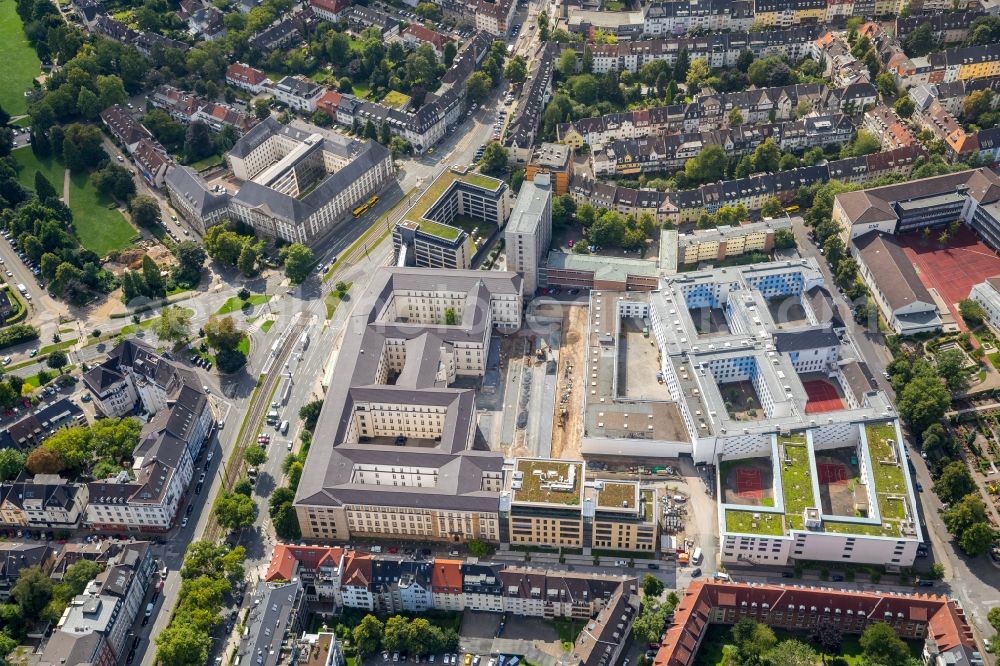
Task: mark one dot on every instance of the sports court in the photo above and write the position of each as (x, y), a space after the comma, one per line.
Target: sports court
(838, 475)
(822, 396)
(951, 270)
(748, 482)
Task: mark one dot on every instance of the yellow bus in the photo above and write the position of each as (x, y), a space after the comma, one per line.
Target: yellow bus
(371, 202)
(361, 210)
(792, 209)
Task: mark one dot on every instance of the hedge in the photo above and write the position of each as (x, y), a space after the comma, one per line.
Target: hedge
(17, 334)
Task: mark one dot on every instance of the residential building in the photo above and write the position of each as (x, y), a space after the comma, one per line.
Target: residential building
(784, 13)
(415, 34)
(935, 619)
(191, 196)
(426, 237)
(964, 63)
(414, 433)
(16, 556)
(708, 245)
(529, 231)
(36, 426)
(124, 127)
(46, 501)
(152, 161)
(330, 10)
(217, 116)
(275, 616)
(555, 160)
(949, 27)
(892, 133)
(88, 11)
(180, 105)
(535, 94)
(246, 77)
(298, 93)
(281, 35)
(360, 17)
(937, 120)
(207, 23)
(677, 17)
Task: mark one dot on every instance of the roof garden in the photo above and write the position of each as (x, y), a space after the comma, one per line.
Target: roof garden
(617, 495)
(796, 478)
(752, 522)
(548, 482)
(434, 192)
(890, 481)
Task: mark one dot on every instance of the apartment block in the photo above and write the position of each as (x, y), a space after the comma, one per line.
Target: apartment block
(45, 501)
(427, 237)
(529, 231)
(555, 160)
(728, 241)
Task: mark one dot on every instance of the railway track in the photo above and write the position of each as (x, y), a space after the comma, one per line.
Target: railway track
(256, 411)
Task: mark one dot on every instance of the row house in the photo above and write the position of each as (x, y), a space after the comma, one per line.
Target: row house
(96, 625)
(688, 205)
(892, 132)
(153, 162)
(217, 116)
(839, 64)
(951, 95)
(784, 13)
(944, 126)
(415, 34)
(948, 27)
(246, 78)
(318, 567)
(88, 10)
(180, 105)
(361, 18)
(965, 62)
(495, 18)
(105, 26)
(718, 49)
(535, 94)
(148, 43)
(630, 156)
(46, 501)
(281, 35)
(677, 18)
(40, 423)
(989, 144)
(708, 111)
(16, 556)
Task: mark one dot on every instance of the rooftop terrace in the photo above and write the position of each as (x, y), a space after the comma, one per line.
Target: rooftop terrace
(752, 522)
(796, 478)
(617, 495)
(430, 196)
(890, 482)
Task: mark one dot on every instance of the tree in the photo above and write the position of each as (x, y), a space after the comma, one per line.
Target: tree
(44, 460)
(181, 644)
(772, 208)
(32, 591)
(395, 633)
(57, 360)
(735, 117)
(881, 645)
(494, 160)
(792, 653)
(681, 65)
(145, 211)
(222, 333)
(368, 635)
(255, 456)
(450, 51)
(648, 626)
(478, 548)
(784, 239)
(43, 188)
(972, 312)
(11, 463)
(950, 366)
(110, 90)
(706, 167)
(197, 141)
(771, 71)
(173, 324)
(450, 317)
(699, 75)
(921, 41)
(904, 106)
(753, 640)
(965, 513)
(477, 87)
(384, 133)
(87, 103)
(828, 636)
(298, 260)
(977, 540)
(309, 413)
(516, 70)
(923, 401)
(863, 143)
(151, 277)
(82, 147)
(543, 26)
(235, 511)
(886, 84)
(652, 586)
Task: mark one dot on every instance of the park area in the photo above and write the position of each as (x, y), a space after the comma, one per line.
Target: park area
(20, 64)
(100, 227)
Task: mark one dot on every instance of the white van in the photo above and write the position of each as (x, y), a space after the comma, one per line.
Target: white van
(284, 427)
(149, 609)
(696, 557)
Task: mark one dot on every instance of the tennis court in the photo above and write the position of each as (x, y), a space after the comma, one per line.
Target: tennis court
(953, 269)
(830, 473)
(749, 483)
(823, 397)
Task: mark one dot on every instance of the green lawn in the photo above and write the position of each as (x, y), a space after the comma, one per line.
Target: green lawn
(207, 163)
(796, 481)
(266, 326)
(59, 346)
(333, 300)
(98, 227)
(743, 522)
(361, 90)
(244, 346)
(395, 100)
(21, 65)
(234, 304)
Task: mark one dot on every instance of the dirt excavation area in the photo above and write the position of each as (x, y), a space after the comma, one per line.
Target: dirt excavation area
(567, 424)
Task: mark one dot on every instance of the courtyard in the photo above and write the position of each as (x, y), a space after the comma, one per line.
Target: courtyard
(709, 321)
(741, 401)
(841, 492)
(638, 363)
(747, 482)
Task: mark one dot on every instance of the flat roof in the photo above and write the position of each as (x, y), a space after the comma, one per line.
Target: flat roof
(548, 481)
(529, 210)
(435, 191)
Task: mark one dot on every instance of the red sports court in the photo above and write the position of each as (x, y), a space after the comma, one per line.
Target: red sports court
(830, 473)
(749, 483)
(951, 270)
(823, 397)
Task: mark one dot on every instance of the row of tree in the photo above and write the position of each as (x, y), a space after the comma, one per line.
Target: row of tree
(416, 637)
(280, 504)
(208, 577)
(95, 451)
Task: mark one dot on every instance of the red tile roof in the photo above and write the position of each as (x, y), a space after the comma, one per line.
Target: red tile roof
(447, 576)
(285, 557)
(332, 6)
(245, 74)
(423, 34)
(357, 570)
(945, 621)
